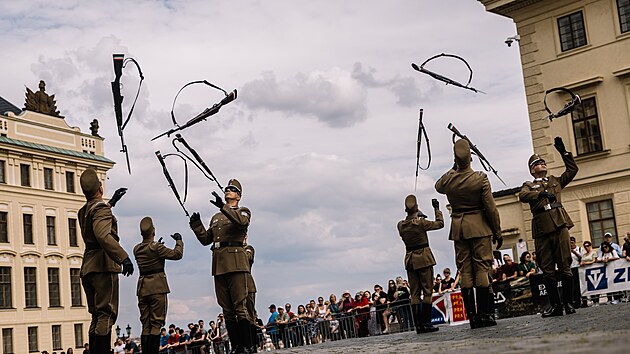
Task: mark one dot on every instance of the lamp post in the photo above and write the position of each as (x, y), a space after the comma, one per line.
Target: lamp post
(128, 330)
(123, 335)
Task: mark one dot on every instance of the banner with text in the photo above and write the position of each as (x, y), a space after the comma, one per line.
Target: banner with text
(603, 278)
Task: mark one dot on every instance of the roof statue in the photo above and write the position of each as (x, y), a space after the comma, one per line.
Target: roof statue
(94, 127)
(41, 102)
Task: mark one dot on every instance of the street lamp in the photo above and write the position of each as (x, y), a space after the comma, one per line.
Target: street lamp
(123, 336)
(128, 330)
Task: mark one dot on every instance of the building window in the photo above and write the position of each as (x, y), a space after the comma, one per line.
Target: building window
(75, 286)
(25, 175)
(78, 335)
(601, 219)
(586, 127)
(56, 337)
(572, 32)
(5, 288)
(50, 231)
(4, 227)
(54, 298)
(30, 286)
(48, 178)
(72, 232)
(27, 224)
(623, 7)
(7, 341)
(32, 339)
(69, 182)
(2, 173)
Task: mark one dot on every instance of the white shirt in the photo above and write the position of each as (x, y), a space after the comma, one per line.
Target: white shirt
(119, 349)
(575, 260)
(608, 255)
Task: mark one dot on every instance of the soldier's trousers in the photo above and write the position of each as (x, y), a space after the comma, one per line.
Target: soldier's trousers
(153, 310)
(231, 291)
(101, 292)
(473, 258)
(421, 282)
(554, 249)
(251, 306)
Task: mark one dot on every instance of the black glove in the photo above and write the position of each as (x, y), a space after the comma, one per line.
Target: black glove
(176, 236)
(559, 145)
(218, 201)
(160, 241)
(194, 218)
(127, 267)
(498, 240)
(435, 203)
(550, 196)
(117, 195)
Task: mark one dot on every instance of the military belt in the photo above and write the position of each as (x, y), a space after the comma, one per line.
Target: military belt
(216, 245)
(150, 272)
(417, 247)
(466, 210)
(546, 207)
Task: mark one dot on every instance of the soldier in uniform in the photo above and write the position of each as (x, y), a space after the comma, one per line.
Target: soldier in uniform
(230, 267)
(550, 226)
(419, 260)
(153, 287)
(102, 261)
(474, 226)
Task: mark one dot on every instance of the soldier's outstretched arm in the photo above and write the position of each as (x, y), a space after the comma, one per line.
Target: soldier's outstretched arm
(173, 254)
(434, 225)
(571, 169)
(204, 237)
(102, 227)
(239, 216)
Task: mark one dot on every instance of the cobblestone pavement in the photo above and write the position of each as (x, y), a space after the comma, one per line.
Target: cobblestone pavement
(600, 329)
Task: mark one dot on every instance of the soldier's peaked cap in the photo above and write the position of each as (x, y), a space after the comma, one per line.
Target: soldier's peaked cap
(533, 159)
(236, 184)
(146, 226)
(461, 150)
(411, 202)
(89, 182)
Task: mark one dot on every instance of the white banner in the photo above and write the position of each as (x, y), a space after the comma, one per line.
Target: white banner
(603, 278)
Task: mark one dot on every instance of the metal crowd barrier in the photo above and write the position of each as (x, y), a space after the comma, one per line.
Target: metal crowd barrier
(339, 327)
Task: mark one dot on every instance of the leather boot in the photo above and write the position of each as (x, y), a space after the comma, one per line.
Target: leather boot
(425, 319)
(415, 312)
(567, 294)
(555, 309)
(153, 344)
(234, 335)
(102, 344)
(91, 341)
(469, 305)
(143, 342)
(254, 338)
(483, 304)
(245, 337)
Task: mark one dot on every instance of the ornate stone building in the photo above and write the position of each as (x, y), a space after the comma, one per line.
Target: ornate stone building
(42, 304)
(583, 45)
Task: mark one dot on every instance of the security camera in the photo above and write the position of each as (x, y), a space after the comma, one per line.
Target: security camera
(511, 40)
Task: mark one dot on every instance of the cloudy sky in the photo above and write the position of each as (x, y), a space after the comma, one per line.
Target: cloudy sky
(322, 135)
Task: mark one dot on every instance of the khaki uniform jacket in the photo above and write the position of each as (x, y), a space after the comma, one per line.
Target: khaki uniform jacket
(413, 231)
(99, 229)
(550, 220)
(228, 225)
(474, 211)
(150, 256)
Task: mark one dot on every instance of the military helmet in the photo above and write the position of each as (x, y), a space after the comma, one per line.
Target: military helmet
(533, 159)
(146, 226)
(235, 184)
(89, 182)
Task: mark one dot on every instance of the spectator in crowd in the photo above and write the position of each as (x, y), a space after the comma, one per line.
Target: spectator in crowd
(131, 347)
(589, 254)
(287, 307)
(448, 283)
(613, 245)
(527, 267)
(437, 285)
(301, 322)
(625, 251)
(361, 308)
(346, 326)
(380, 303)
(322, 315)
(509, 269)
(163, 339)
(457, 284)
(576, 258)
(86, 348)
(282, 320)
(215, 338)
(225, 335)
(70, 351)
(311, 324)
(607, 253)
(119, 347)
(334, 311)
(402, 301)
